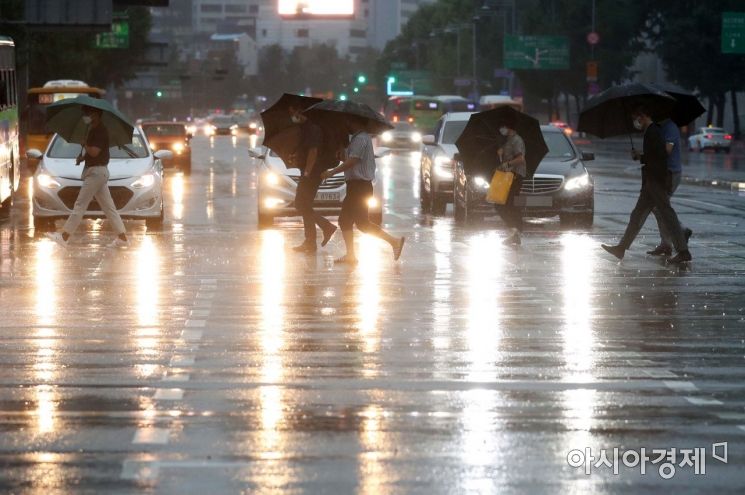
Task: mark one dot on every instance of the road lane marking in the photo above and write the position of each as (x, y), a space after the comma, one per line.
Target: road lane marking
(195, 323)
(139, 471)
(701, 401)
(199, 313)
(176, 377)
(169, 394)
(660, 374)
(191, 335)
(179, 361)
(681, 386)
(150, 435)
(736, 416)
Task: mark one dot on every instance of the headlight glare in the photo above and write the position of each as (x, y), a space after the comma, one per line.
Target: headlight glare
(481, 182)
(416, 137)
(146, 180)
(387, 136)
(46, 180)
(579, 182)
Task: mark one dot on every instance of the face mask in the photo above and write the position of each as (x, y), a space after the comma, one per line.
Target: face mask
(503, 131)
(87, 119)
(296, 119)
(637, 124)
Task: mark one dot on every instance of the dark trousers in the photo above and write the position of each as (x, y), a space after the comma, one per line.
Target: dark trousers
(304, 197)
(354, 209)
(511, 214)
(654, 195)
(672, 186)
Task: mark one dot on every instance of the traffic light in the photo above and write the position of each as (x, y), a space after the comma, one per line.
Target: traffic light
(356, 89)
(362, 79)
(159, 93)
(343, 97)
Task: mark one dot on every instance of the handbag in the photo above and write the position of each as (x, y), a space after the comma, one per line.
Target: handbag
(499, 189)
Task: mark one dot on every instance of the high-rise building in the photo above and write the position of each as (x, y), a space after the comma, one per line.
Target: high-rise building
(386, 18)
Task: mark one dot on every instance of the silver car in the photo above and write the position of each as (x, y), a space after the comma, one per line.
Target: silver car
(714, 138)
(278, 184)
(135, 182)
(436, 166)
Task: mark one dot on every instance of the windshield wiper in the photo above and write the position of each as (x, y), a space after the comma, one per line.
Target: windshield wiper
(131, 153)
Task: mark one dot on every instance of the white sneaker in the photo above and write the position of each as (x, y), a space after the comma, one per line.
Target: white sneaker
(57, 237)
(118, 243)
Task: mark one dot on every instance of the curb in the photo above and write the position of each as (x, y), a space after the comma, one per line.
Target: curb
(728, 185)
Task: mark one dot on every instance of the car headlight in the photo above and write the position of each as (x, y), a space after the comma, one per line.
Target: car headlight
(444, 167)
(416, 137)
(252, 125)
(481, 182)
(387, 136)
(372, 202)
(178, 147)
(46, 181)
(146, 180)
(579, 182)
(272, 178)
(272, 202)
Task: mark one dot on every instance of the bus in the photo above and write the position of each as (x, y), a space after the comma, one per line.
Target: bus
(424, 111)
(489, 102)
(10, 173)
(37, 135)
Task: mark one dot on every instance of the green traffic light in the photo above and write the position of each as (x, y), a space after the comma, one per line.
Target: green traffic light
(362, 79)
(159, 94)
(356, 89)
(343, 97)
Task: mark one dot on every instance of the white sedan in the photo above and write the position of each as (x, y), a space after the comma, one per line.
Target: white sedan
(135, 182)
(710, 137)
(278, 184)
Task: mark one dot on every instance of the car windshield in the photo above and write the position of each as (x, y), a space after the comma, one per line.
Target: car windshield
(164, 130)
(712, 130)
(453, 130)
(558, 146)
(62, 149)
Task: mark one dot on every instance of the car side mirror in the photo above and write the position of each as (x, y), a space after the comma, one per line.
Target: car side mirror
(163, 155)
(586, 157)
(428, 140)
(255, 153)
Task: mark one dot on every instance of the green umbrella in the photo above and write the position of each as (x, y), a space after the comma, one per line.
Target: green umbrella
(65, 117)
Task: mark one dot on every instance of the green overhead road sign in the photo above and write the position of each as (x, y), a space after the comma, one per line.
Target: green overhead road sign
(416, 81)
(536, 52)
(733, 32)
(118, 37)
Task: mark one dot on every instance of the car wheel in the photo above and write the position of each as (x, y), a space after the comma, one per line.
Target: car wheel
(155, 223)
(42, 224)
(377, 218)
(423, 196)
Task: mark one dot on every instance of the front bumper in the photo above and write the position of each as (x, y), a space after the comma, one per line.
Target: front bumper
(549, 204)
(145, 202)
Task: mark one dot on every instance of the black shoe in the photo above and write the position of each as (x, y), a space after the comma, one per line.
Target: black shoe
(327, 235)
(681, 257)
(661, 251)
(688, 233)
(305, 248)
(616, 251)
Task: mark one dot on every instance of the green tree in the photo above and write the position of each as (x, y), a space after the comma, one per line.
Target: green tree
(687, 34)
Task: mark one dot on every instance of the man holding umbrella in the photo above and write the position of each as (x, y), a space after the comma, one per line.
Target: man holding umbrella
(512, 159)
(95, 154)
(654, 192)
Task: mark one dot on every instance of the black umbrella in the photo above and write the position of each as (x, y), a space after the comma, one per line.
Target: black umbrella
(687, 106)
(609, 113)
(480, 140)
(281, 135)
(334, 113)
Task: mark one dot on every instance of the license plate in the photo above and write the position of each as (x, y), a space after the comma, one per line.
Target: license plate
(327, 196)
(540, 201)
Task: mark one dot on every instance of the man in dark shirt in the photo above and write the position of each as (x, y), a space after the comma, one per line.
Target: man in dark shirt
(95, 154)
(315, 154)
(654, 191)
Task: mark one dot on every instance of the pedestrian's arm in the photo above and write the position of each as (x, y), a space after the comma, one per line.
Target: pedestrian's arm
(669, 147)
(310, 161)
(348, 163)
(514, 162)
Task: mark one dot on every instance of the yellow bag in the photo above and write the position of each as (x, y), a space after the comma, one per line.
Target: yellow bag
(499, 189)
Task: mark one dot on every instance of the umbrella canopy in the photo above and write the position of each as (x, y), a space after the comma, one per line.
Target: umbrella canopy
(65, 118)
(608, 113)
(480, 140)
(687, 106)
(281, 135)
(333, 114)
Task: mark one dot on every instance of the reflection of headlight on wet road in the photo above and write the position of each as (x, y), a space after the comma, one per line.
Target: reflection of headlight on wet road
(146, 180)
(46, 180)
(372, 202)
(387, 136)
(577, 182)
(481, 182)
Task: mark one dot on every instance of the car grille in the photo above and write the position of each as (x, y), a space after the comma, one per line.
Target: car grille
(330, 183)
(539, 185)
(120, 194)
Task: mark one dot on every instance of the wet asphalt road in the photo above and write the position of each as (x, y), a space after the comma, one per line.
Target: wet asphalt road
(206, 358)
